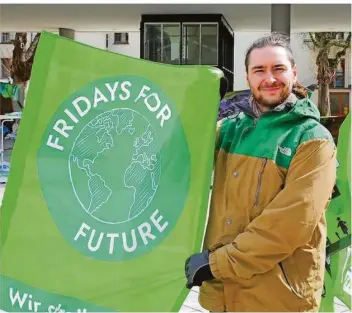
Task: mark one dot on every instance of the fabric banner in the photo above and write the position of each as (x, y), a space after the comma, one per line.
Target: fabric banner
(110, 179)
(338, 275)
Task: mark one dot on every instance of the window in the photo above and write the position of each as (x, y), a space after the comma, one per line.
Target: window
(338, 80)
(162, 43)
(120, 38)
(106, 41)
(191, 44)
(209, 44)
(339, 102)
(194, 39)
(200, 44)
(5, 37)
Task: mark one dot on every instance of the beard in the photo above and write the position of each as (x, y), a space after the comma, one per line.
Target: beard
(270, 103)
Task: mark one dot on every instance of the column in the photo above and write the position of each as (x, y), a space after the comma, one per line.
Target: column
(281, 18)
(67, 32)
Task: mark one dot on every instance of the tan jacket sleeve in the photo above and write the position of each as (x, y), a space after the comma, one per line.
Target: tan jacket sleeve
(289, 221)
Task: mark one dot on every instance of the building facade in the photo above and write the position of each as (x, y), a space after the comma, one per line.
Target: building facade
(207, 40)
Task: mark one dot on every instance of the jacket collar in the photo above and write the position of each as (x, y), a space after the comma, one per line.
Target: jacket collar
(248, 105)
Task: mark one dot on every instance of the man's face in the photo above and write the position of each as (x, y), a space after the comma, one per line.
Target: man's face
(270, 76)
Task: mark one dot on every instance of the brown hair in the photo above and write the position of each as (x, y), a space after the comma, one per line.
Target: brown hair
(277, 40)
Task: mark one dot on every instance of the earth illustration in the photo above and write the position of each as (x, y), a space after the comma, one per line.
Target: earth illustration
(115, 166)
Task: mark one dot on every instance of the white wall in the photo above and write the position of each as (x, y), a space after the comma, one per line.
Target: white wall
(111, 16)
(131, 49)
(304, 58)
(242, 41)
(95, 39)
(98, 39)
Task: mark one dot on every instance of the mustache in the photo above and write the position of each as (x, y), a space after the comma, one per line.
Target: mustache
(271, 86)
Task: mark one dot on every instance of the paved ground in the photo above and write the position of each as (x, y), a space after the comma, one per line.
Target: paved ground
(191, 303)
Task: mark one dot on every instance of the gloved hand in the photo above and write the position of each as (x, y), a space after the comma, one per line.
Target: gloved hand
(197, 269)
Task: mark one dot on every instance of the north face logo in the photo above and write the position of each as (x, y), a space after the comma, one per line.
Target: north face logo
(285, 151)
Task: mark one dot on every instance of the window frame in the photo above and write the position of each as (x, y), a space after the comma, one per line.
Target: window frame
(200, 24)
(225, 38)
(182, 38)
(340, 92)
(5, 35)
(161, 24)
(332, 84)
(121, 42)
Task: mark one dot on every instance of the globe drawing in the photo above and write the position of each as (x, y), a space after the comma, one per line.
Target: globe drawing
(115, 166)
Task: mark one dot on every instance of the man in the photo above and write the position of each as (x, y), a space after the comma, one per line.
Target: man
(343, 225)
(275, 168)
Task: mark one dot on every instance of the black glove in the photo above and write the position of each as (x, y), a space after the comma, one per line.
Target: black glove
(197, 269)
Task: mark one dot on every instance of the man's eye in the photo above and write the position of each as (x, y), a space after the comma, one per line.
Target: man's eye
(280, 69)
(258, 71)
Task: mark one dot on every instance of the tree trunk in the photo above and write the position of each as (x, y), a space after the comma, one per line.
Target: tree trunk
(324, 99)
(22, 58)
(324, 77)
(19, 69)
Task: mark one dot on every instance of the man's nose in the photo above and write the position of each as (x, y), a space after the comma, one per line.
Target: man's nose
(270, 78)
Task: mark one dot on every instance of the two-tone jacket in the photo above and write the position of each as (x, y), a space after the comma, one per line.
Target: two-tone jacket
(273, 180)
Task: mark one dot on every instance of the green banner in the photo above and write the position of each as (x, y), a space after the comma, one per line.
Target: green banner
(109, 182)
(338, 275)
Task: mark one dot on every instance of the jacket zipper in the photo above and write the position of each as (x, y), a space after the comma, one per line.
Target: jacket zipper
(260, 175)
(288, 283)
